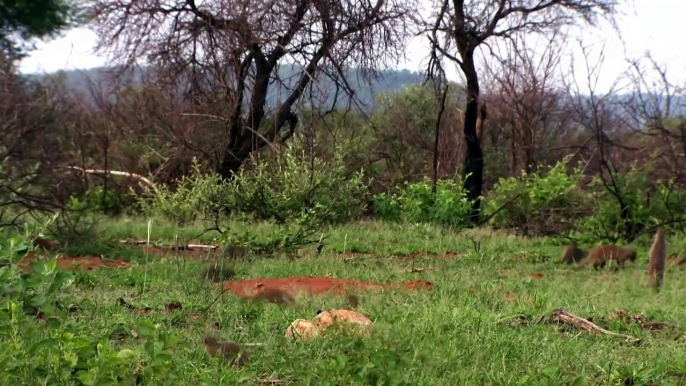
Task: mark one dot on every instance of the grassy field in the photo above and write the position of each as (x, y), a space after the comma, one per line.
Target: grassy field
(467, 330)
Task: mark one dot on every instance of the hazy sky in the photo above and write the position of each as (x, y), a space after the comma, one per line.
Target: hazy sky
(655, 25)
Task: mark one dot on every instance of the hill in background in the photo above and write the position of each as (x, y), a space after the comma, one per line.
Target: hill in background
(390, 80)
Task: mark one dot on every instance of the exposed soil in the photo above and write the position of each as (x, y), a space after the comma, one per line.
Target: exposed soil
(314, 285)
(640, 320)
(82, 262)
(536, 275)
(506, 272)
(509, 296)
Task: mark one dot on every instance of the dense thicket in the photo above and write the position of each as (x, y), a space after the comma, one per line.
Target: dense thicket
(56, 126)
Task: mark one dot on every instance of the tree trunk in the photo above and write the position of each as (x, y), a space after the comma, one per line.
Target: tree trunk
(231, 162)
(472, 170)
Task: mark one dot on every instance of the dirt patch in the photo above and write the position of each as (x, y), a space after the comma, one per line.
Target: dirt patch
(86, 263)
(415, 285)
(314, 285)
(506, 272)
(509, 296)
(537, 276)
(640, 320)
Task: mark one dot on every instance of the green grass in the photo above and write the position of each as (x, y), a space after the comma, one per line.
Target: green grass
(463, 332)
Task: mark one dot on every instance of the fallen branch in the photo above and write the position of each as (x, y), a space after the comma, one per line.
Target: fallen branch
(172, 247)
(490, 216)
(114, 173)
(562, 316)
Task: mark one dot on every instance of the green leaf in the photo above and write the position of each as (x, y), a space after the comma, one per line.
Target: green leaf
(5, 274)
(145, 328)
(125, 354)
(37, 300)
(43, 345)
(87, 377)
(61, 277)
(579, 381)
(53, 323)
(150, 348)
(163, 357)
(550, 370)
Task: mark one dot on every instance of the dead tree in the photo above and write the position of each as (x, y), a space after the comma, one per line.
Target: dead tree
(231, 53)
(459, 27)
(530, 105)
(599, 114)
(655, 110)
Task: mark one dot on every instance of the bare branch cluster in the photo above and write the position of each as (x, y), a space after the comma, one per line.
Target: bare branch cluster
(232, 51)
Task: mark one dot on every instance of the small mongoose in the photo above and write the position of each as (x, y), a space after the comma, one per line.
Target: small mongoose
(217, 274)
(600, 255)
(573, 254)
(231, 352)
(656, 264)
(353, 300)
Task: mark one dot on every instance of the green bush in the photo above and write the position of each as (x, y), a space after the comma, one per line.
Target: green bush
(53, 351)
(415, 202)
(300, 194)
(198, 195)
(545, 202)
(647, 207)
(284, 188)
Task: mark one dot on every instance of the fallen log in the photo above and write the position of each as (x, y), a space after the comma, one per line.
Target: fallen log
(562, 316)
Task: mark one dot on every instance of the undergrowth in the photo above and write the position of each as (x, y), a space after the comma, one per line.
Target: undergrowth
(470, 329)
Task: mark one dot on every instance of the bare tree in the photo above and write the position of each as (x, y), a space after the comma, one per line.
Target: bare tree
(657, 109)
(230, 53)
(459, 27)
(529, 105)
(29, 149)
(599, 114)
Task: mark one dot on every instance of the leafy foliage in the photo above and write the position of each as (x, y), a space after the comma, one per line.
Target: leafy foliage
(404, 125)
(297, 182)
(542, 202)
(49, 352)
(27, 19)
(300, 193)
(201, 194)
(415, 202)
(647, 207)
